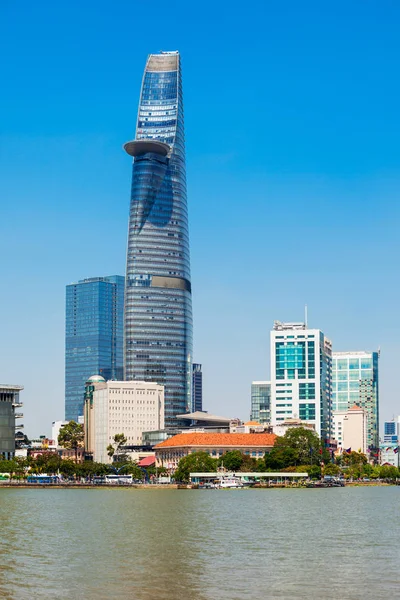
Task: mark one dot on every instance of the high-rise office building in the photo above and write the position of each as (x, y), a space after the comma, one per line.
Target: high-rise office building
(93, 336)
(197, 388)
(355, 381)
(158, 300)
(9, 401)
(301, 376)
(391, 431)
(261, 402)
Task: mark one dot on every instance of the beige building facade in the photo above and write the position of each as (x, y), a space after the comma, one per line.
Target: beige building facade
(128, 407)
(349, 429)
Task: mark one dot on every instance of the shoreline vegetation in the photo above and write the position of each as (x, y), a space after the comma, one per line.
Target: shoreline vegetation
(300, 451)
(173, 486)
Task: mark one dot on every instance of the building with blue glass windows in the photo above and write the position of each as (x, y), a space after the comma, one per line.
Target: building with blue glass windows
(261, 402)
(355, 381)
(158, 300)
(301, 377)
(93, 336)
(197, 388)
(391, 431)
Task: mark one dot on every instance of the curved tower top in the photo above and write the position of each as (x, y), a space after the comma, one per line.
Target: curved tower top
(158, 307)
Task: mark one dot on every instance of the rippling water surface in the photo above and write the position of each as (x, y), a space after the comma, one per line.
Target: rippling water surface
(200, 544)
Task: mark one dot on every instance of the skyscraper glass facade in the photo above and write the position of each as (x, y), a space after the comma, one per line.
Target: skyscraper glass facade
(261, 402)
(301, 376)
(197, 387)
(355, 381)
(93, 336)
(158, 303)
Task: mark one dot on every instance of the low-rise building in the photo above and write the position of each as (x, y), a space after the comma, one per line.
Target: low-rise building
(169, 452)
(113, 407)
(389, 454)
(349, 429)
(282, 428)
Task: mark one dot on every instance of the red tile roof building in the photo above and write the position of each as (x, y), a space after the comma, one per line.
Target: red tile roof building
(169, 452)
(147, 461)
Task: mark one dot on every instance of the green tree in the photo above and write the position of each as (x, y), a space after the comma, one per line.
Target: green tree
(131, 468)
(388, 472)
(331, 469)
(231, 460)
(299, 446)
(119, 440)
(71, 436)
(48, 462)
(194, 463)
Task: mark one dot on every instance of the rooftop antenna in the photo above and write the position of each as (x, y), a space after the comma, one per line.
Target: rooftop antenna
(306, 315)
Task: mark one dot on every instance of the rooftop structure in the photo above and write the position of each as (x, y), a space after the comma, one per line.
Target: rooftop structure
(204, 417)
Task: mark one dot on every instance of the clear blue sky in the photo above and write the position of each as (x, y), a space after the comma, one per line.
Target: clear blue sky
(293, 155)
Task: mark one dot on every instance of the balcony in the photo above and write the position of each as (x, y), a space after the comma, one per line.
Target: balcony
(17, 404)
(18, 415)
(19, 427)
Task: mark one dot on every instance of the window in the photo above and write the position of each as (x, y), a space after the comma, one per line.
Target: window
(307, 412)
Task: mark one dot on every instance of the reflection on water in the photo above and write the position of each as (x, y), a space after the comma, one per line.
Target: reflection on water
(199, 545)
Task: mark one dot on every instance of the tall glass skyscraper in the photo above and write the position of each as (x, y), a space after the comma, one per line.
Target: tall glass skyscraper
(197, 389)
(356, 381)
(158, 300)
(93, 336)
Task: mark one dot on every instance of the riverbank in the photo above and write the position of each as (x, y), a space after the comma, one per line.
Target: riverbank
(171, 486)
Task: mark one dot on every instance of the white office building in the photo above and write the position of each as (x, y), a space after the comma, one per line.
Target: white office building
(55, 431)
(301, 371)
(391, 431)
(113, 407)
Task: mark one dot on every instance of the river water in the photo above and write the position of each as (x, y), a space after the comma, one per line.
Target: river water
(340, 543)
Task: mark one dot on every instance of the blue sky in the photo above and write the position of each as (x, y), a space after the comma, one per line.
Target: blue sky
(293, 154)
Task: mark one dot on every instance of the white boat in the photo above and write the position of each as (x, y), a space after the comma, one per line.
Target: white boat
(230, 482)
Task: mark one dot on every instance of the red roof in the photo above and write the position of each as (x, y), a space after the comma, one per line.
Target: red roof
(148, 461)
(222, 440)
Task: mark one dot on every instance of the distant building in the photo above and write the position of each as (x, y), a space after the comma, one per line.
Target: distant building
(112, 407)
(93, 336)
(355, 381)
(261, 401)
(349, 429)
(301, 371)
(389, 454)
(55, 430)
(9, 402)
(391, 431)
(197, 388)
(169, 452)
(284, 426)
